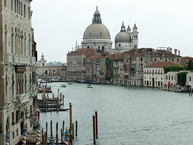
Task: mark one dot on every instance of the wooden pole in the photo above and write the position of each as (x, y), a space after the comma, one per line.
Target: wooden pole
(63, 99)
(62, 133)
(51, 128)
(57, 133)
(43, 137)
(76, 127)
(72, 130)
(63, 126)
(70, 106)
(94, 129)
(46, 138)
(96, 116)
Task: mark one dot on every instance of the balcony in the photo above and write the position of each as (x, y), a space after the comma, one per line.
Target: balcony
(8, 58)
(116, 67)
(18, 59)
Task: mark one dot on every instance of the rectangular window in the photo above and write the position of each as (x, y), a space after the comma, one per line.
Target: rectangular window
(24, 11)
(21, 9)
(11, 5)
(13, 123)
(13, 134)
(5, 3)
(15, 6)
(17, 131)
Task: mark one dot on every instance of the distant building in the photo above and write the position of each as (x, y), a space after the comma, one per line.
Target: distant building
(52, 72)
(154, 74)
(76, 63)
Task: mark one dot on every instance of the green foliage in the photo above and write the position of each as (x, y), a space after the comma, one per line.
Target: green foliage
(190, 65)
(109, 65)
(182, 78)
(172, 68)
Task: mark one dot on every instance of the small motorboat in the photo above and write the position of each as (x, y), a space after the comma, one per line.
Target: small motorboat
(70, 83)
(63, 85)
(89, 86)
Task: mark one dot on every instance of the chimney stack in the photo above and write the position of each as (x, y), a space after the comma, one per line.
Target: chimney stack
(179, 52)
(175, 50)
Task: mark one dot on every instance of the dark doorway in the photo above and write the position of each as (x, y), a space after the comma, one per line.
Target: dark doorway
(153, 82)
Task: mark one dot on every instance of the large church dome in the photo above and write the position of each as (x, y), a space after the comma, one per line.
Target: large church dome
(123, 36)
(96, 30)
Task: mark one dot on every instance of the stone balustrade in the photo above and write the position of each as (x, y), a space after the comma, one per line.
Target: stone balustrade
(19, 59)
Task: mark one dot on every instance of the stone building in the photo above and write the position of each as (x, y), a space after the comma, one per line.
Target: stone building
(76, 70)
(189, 79)
(52, 72)
(17, 69)
(154, 75)
(136, 59)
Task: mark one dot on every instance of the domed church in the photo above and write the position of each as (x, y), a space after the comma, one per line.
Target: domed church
(97, 35)
(126, 40)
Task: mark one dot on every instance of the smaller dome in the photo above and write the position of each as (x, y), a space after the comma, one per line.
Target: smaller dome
(122, 37)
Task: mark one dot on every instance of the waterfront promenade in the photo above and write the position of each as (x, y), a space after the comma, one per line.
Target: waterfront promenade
(126, 115)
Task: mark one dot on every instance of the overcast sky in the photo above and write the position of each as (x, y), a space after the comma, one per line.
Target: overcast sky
(161, 23)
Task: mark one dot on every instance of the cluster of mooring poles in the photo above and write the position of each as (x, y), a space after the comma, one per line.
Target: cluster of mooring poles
(67, 136)
(95, 127)
(47, 104)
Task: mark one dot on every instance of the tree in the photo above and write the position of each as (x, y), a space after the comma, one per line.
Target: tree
(172, 68)
(190, 65)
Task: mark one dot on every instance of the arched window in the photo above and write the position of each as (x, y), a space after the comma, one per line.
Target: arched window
(5, 39)
(22, 43)
(29, 43)
(6, 88)
(54, 72)
(46, 72)
(25, 44)
(103, 48)
(12, 35)
(15, 40)
(13, 87)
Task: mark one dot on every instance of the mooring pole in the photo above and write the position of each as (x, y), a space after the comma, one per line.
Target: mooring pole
(96, 116)
(51, 128)
(7, 137)
(94, 129)
(76, 127)
(57, 133)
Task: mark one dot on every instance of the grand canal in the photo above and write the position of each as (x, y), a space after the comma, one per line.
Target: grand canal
(126, 115)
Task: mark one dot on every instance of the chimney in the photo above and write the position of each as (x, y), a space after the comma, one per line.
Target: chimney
(179, 52)
(175, 50)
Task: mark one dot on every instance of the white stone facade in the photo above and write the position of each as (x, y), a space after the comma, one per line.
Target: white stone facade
(17, 69)
(153, 76)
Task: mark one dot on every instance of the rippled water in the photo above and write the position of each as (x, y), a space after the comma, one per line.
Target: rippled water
(126, 115)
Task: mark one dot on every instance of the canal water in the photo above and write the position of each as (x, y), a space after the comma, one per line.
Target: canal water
(126, 115)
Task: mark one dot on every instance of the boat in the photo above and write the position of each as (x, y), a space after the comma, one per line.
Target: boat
(89, 86)
(44, 90)
(70, 83)
(63, 85)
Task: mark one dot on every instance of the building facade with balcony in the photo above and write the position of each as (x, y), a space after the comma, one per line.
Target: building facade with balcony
(154, 75)
(17, 69)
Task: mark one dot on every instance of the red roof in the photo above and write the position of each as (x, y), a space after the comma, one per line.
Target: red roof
(161, 64)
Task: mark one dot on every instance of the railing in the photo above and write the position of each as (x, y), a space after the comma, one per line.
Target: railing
(115, 67)
(19, 59)
(8, 58)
